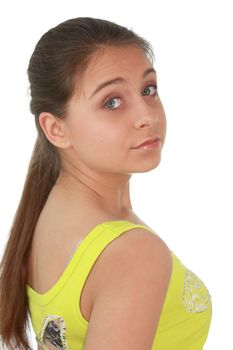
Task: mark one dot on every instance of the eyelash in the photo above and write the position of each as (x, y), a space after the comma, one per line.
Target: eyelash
(117, 97)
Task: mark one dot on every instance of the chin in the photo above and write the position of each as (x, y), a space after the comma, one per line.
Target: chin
(145, 167)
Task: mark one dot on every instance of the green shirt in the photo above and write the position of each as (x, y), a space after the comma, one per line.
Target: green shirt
(57, 319)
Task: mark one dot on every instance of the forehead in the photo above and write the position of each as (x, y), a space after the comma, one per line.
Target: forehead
(112, 57)
(113, 62)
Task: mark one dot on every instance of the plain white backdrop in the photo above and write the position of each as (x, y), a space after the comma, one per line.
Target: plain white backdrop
(187, 199)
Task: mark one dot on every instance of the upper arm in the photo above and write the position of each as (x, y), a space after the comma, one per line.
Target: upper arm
(135, 272)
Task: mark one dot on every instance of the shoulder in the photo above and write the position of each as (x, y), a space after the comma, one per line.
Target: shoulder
(136, 251)
(133, 276)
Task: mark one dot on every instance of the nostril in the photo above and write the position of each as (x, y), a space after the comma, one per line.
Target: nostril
(146, 122)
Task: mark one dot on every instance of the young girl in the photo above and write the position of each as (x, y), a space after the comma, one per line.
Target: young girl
(89, 272)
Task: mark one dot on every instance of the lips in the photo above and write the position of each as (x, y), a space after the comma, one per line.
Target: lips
(147, 142)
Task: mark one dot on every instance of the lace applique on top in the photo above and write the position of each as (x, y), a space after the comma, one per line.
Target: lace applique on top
(52, 334)
(196, 297)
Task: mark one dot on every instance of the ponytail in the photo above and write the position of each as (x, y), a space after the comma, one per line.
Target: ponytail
(42, 174)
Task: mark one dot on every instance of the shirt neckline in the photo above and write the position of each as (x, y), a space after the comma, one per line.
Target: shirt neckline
(78, 251)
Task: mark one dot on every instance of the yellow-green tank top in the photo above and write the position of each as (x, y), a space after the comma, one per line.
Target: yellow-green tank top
(57, 319)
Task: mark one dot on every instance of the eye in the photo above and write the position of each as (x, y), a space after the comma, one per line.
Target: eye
(113, 102)
(110, 104)
(148, 90)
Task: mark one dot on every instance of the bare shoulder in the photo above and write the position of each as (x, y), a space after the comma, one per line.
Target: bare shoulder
(135, 249)
(135, 270)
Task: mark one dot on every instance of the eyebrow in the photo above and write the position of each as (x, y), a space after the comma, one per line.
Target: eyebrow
(119, 80)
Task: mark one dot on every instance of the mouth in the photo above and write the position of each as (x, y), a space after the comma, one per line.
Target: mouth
(149, 143)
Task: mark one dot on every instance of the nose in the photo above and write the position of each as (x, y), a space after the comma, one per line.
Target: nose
(147, 116)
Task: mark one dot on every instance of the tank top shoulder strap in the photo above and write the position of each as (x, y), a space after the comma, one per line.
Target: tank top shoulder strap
(89, 251)
(83, 259)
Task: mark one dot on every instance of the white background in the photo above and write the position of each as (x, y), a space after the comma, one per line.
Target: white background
(188, 198)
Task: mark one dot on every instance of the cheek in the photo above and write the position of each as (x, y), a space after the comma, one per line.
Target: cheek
(162, 111)
(95, 138)
(163, 120)
(162, 125)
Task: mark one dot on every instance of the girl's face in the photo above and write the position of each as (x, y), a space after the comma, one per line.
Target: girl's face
(118, 109)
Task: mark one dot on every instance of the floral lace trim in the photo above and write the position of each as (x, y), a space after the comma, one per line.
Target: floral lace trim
(52, 334)
(196, 297)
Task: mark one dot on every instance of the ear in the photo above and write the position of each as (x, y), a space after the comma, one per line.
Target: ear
(55, 130)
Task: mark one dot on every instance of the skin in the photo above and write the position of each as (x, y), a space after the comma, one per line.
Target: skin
(95, 140)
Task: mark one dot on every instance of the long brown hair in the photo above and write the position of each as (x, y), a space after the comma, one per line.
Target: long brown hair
(55, 68)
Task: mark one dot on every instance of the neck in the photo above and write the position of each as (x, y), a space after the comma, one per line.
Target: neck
(109, 191)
